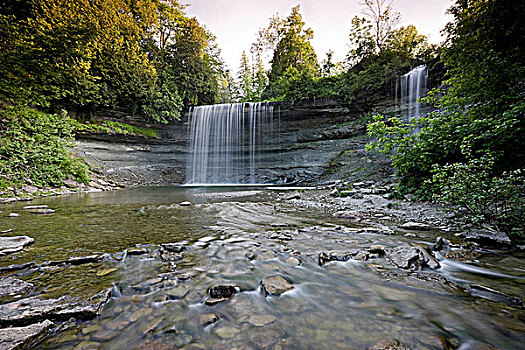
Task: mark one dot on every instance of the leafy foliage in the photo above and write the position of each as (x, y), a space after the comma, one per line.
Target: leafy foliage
(142, 57)
(34, 148)
(469, 152)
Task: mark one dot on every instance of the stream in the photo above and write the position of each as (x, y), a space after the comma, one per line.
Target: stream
(238, 236)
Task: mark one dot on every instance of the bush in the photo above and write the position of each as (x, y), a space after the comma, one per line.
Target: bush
(497, 200)
(34, 148)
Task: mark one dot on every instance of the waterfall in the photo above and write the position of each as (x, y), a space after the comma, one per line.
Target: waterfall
(227, 142)
(409, 88)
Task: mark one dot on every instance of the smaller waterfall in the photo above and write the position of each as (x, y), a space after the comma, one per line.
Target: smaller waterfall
(227, 142)
(409, 88)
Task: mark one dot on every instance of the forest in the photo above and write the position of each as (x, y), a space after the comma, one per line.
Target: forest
(62, 62)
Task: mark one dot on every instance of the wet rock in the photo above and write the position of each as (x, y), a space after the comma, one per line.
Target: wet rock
(250, 255)
(495, 295)
(261, 320)
(214, 301)
(226, 332)
(208, 319)
(350, 215)
(24, 337)
(76, 260)
(441, 244)
(377, 249)
(13, 215)
(411, 258)
(36, 309)
(327, 256)
(417, 226)
(362, 256)
(11, 286)
(275, 285)
(10, 245)
(42, 211)
(293, 261)
(15, 267)
(388, 345)
(488, 238)
(136, 251)
(88, 345)
(223, 291)
(32, 207)
(178, 292)
(433, 282)
(140, 313)
(172, 247)
(185, 204)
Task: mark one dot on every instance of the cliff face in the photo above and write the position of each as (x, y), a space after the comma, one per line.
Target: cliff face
(312, 136)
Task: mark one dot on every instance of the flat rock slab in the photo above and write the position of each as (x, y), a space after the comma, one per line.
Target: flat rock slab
(24, 337)
(417, 226)
(275, 285)
(489, 238)
(32, 207)
(11, 286)
(15, 244)
(35, 309)
(42, 211)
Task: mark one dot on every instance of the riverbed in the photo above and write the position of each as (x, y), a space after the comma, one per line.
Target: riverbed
(238, 236)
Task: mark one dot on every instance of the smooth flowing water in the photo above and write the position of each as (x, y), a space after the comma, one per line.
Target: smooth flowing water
(239, 236)
(409, 89)
(226, 142)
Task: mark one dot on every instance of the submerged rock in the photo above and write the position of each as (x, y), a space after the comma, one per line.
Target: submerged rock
(24, 337)
(10, 286)
(36, 309)
(489, 238)
(275, 285)
(10, 245)
(293, 261)
(411, 258)
(45, 211)
(208, 319)
(495, 295)
(388, 345)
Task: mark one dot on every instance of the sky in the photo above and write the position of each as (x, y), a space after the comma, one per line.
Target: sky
(236, 23)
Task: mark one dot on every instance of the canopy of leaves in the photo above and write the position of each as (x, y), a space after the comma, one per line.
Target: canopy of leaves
(136, 56)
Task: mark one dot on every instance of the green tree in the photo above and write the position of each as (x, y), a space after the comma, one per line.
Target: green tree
(293, 50)
(479, 124)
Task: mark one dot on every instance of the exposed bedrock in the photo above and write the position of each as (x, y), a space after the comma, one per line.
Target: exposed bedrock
(311, 138)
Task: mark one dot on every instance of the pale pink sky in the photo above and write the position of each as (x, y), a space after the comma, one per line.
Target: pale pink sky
(236, 22)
